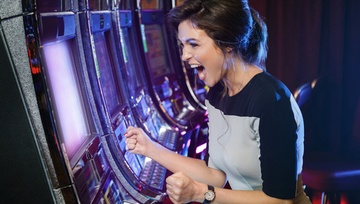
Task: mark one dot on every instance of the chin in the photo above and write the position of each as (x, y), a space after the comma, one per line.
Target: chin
(209, 84)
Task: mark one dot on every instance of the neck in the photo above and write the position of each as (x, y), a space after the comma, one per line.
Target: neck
(237, 78)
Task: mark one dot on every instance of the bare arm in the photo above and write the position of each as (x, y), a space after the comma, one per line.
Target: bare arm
(191, 176)
(139, 143)
(182, 189)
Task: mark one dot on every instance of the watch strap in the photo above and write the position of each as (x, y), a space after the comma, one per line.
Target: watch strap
(210, 188)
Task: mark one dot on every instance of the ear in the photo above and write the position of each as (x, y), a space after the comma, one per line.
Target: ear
(228, 49)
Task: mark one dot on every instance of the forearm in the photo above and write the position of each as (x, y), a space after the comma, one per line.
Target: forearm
(138, 142)
(248, 197)
(238, 196)
(194, 168)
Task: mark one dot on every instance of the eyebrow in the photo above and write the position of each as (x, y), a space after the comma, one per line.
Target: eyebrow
(188, 40)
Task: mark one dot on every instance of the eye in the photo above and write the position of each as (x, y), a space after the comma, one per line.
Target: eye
(193, 45)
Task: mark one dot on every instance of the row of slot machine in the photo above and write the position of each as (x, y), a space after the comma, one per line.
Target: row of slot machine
(98, 67)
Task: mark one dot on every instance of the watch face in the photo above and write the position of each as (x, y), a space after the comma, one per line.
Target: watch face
(210, 195)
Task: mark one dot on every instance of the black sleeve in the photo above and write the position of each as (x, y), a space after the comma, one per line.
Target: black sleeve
(278, 135)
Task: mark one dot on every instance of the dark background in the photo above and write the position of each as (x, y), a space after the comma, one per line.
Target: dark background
(310, 39)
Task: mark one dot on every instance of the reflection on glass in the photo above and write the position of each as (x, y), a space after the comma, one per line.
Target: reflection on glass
(156, 50)
(130, 157)
(107, 77)
(66, 96)
(133, 72)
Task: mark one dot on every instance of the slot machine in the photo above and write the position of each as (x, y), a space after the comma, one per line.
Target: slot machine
(72, 68)
(161, 69)
(69, 117)
(149, 112)
(174, 89)
(131, 178)
(146, 113)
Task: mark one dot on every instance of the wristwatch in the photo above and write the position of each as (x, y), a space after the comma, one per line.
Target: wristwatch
(209, 195)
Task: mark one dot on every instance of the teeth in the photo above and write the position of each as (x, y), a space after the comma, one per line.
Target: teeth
(194, 66)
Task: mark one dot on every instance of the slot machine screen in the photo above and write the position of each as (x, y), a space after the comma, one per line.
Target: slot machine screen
(132, 71)
(131, 158)
(66, 94)
(106, 73)
(112, 194)
(155, 48)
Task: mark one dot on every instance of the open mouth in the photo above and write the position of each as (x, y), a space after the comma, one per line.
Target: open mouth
(199, 68)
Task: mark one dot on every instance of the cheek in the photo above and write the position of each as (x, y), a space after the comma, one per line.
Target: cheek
(210, 58)
(216, 62)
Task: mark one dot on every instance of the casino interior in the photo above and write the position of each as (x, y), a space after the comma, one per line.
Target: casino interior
(76, 73)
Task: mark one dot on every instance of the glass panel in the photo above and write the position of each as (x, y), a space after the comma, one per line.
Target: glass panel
(130, 157)
(107, 77)
(156, 50)
(135, 79)
(66, 95)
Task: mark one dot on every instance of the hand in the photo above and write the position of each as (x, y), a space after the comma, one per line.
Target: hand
(137, 141)
(182, 189)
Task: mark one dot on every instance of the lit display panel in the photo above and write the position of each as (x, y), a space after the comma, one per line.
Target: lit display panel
(154, 46)
(107, 75)
(66, 95)
(131, 69)
(130, 157)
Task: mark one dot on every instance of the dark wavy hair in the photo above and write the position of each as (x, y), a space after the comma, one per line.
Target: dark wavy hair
(230, 23)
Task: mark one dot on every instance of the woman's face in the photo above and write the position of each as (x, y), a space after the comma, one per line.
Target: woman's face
(200, 51)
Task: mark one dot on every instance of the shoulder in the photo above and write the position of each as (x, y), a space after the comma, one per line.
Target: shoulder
(267, 89)
(272, 85)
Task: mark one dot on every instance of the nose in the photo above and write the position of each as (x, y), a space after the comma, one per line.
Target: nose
(185, 55)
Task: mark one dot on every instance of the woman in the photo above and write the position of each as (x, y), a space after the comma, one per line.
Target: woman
(255, 126)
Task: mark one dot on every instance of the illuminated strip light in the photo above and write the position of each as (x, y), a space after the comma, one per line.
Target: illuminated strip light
(347, 173)
(201, 148)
